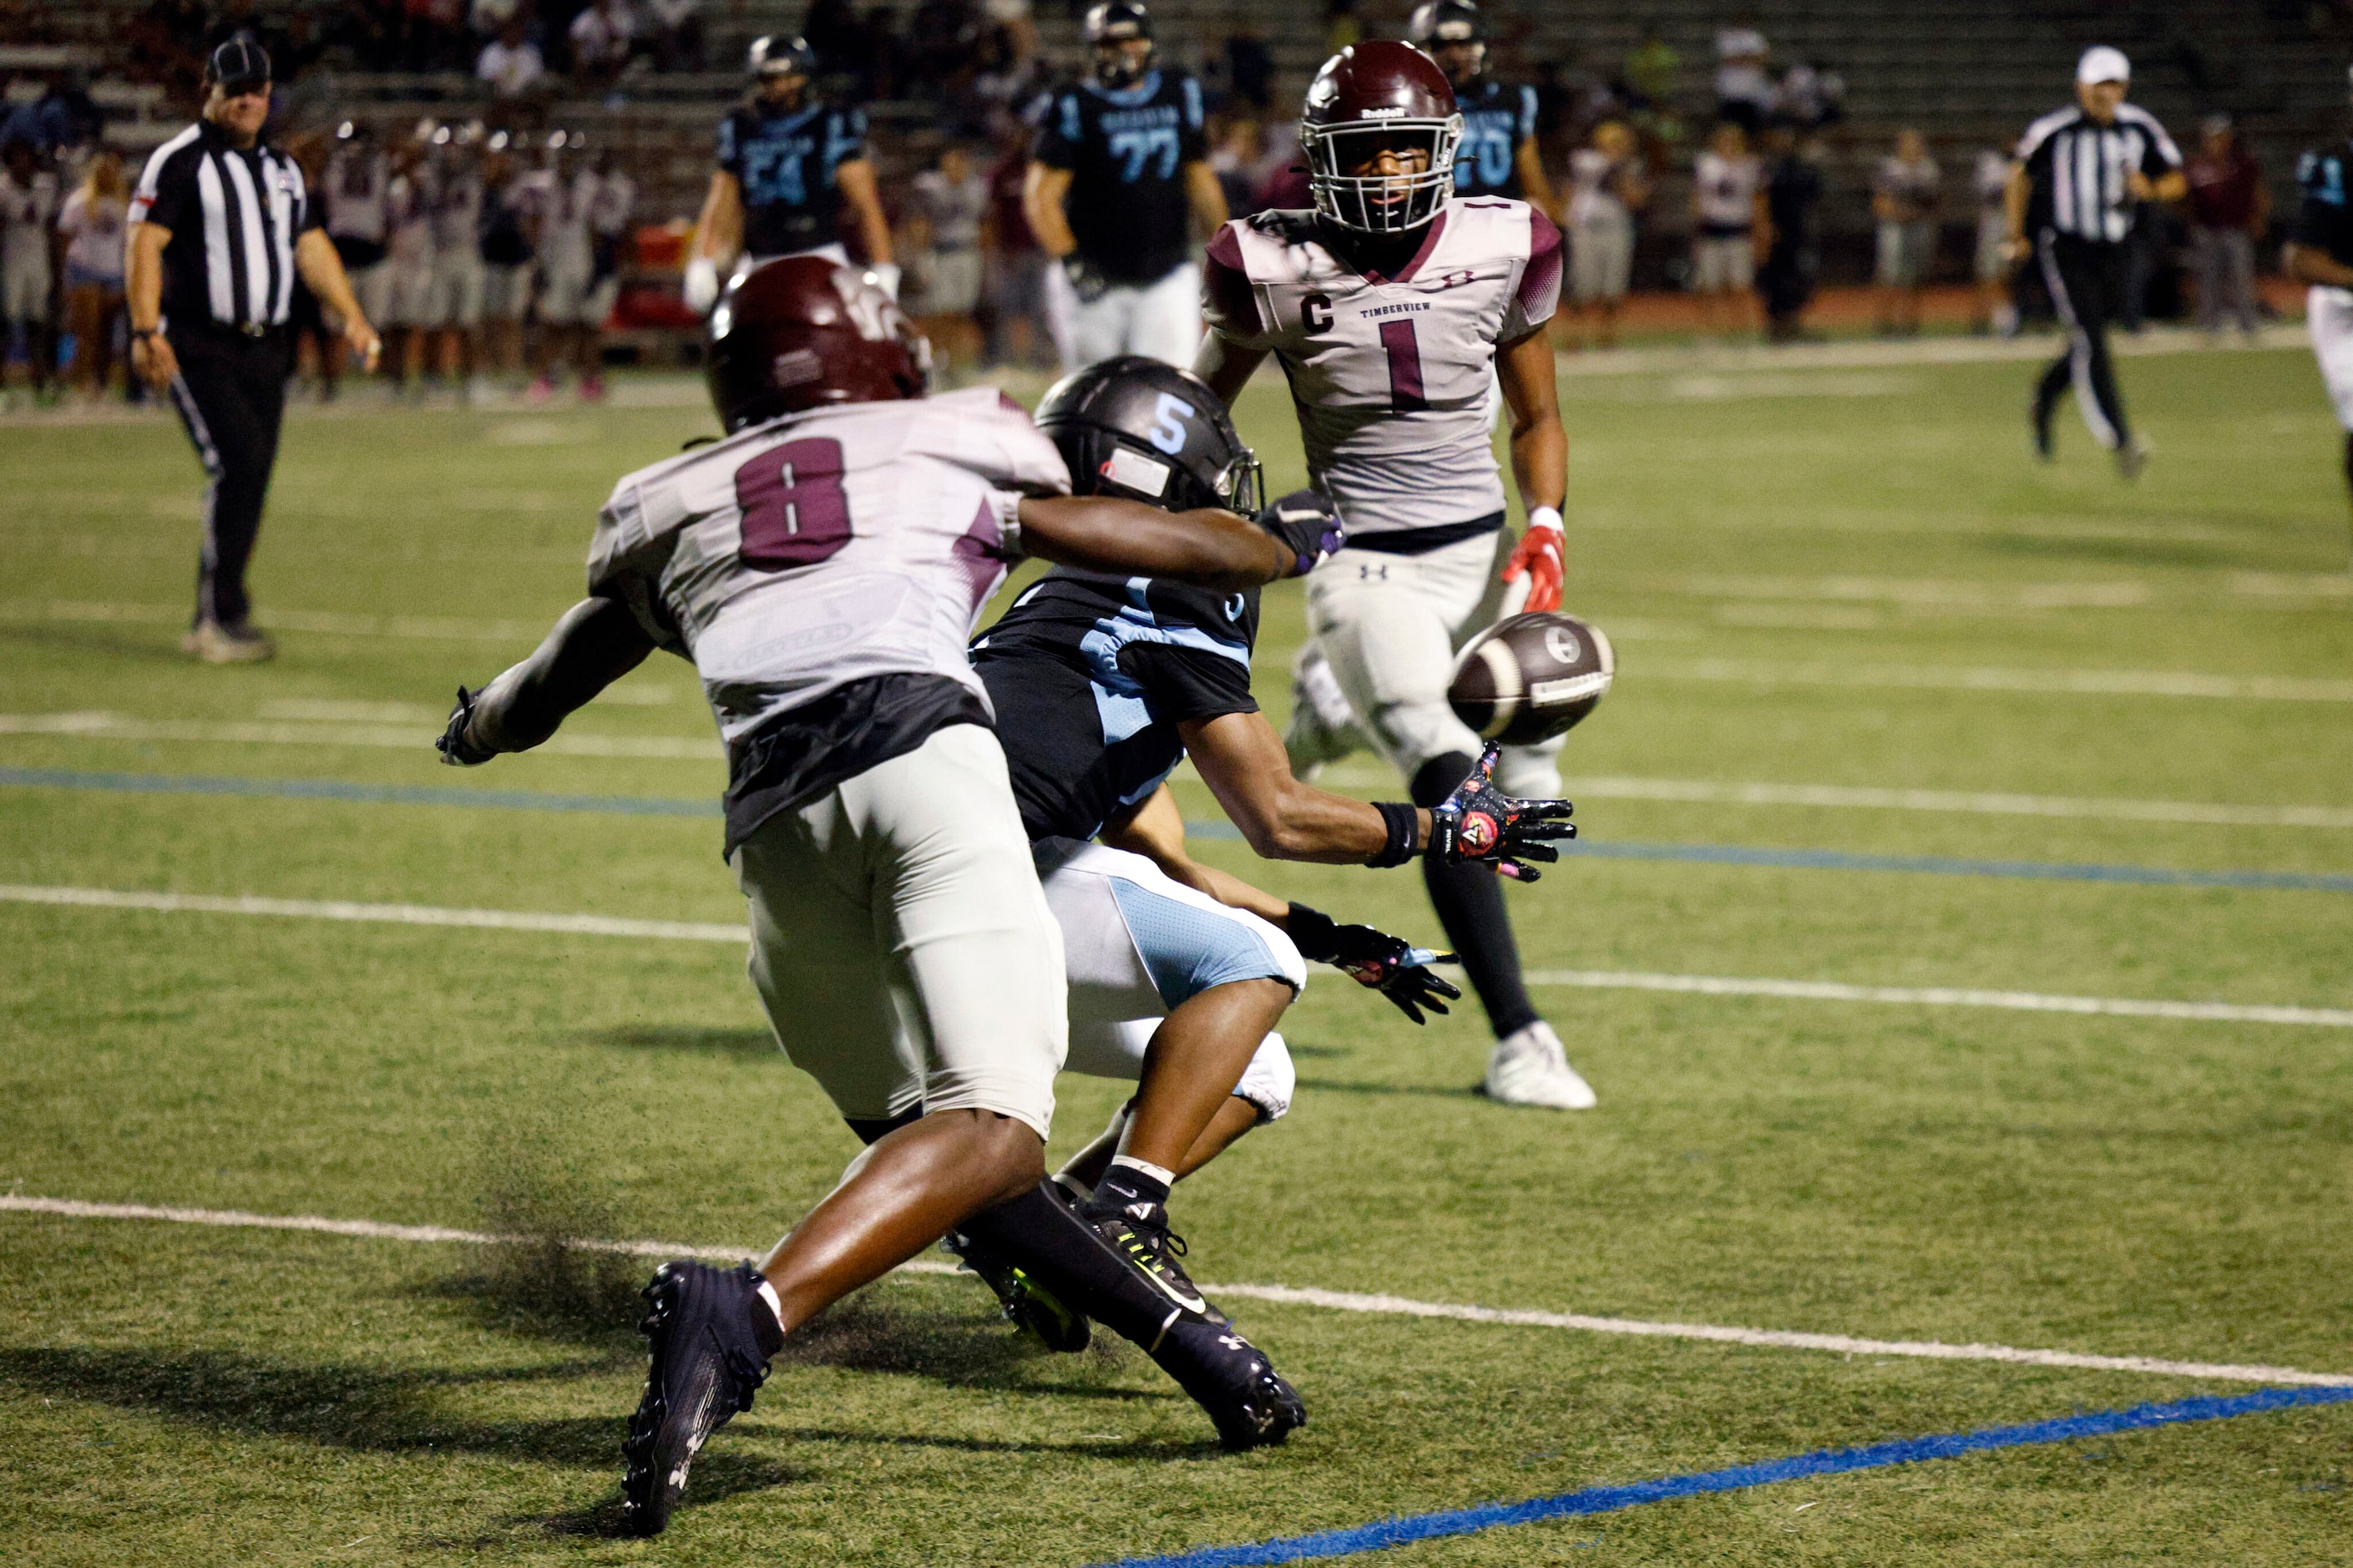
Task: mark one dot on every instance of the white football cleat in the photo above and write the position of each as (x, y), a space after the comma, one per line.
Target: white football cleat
(1529, 1067)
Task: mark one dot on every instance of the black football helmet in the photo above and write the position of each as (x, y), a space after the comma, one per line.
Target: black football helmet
(1110, 25)
(1142, 428)
(775, 55)
(1454, 34)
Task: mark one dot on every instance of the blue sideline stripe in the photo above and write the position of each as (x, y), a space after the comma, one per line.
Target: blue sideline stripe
(663, 806)
(1388, 1533)
(336, 789)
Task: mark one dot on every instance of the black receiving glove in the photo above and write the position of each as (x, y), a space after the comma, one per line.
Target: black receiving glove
(1308, 525)
(456, 748)
(1385, 964)
(1087, 279)
(1481, 825)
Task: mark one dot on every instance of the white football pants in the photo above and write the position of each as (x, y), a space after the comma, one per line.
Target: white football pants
(1138, 944)
(1385, 629)
(1161, 320)
(2329, 317)
(900, 942)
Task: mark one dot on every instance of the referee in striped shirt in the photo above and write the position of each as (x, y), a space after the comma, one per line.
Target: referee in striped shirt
(220, 227)
(2075, 191)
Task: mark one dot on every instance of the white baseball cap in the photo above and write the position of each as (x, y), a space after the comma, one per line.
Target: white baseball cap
(2102, 63)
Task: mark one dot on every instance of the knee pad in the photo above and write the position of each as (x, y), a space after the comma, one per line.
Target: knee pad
(1270, 1079)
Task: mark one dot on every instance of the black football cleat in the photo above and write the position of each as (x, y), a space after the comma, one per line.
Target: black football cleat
(709, 1337)
(1139, 1234)
(1233, 1382)
(1025, 1302)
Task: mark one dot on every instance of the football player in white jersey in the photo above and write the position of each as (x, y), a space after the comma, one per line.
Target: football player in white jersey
(1389, 307)
(822, 566)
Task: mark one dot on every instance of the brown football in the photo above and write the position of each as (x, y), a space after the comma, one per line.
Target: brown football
(1529, 678)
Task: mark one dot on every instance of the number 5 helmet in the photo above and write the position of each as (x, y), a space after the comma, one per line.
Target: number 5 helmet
(1139, 428)
(1373, 97)
(803, 332)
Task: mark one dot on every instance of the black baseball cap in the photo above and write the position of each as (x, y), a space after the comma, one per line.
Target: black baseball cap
(240, 64)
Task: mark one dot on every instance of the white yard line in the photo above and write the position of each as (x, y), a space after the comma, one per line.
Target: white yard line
(1968, 678)
(375, 914)
(103, 726)
(1611, 980)
(1330, 1300)
(1945, 996)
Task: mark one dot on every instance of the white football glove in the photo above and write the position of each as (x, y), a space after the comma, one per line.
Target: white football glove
(702, 285)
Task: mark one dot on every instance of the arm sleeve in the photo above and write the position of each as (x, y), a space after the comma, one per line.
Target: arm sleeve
(1229, 300)
(729, 155)
(306, 209)
(1192, 138)
(2320, 218)
(1058, 136)
(1182, 684)
(1528, 126)
(626, 561)
(998, 442)
(1538, 295)
(850, 132)
(161, 197)
(2162, 156)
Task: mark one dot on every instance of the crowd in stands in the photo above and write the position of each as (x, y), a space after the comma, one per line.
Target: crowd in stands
(1754, 139)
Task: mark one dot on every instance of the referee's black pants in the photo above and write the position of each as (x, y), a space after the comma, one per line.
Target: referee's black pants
(231, 394)
(2088, 279)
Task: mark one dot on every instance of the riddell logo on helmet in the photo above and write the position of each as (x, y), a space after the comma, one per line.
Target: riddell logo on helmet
(1477, 834)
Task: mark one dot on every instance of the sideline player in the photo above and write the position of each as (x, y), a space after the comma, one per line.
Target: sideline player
(1103, 685)
(2077, 187)
(1120, 163)
(1498, 155)
(787, 166)
(822, 566)
(1390, 307)
(2320, 252)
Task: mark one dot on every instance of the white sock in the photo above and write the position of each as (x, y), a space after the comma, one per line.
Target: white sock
(1166, 1178)
(768, 1294)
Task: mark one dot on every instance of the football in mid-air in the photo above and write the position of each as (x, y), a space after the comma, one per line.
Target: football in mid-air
(1531, 677)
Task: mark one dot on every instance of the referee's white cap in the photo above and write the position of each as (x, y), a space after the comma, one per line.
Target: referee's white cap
(2102, 63)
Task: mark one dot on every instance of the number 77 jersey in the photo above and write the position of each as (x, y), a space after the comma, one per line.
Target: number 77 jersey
(1390, 375)
(833, 546)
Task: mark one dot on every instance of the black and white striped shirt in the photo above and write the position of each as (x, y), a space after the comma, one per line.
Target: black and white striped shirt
(2079, 166)
(235, 215)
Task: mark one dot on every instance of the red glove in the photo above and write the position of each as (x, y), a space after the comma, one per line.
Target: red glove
(1538, 557)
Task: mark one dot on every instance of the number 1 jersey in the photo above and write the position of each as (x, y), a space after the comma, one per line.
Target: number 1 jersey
(835, 546)
(1390, 375)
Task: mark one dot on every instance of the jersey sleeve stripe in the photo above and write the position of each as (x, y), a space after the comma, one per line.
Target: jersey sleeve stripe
(2042, 130)
(1227, 299)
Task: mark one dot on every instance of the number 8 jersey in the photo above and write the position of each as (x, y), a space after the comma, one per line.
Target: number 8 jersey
(1390, 375)
(845, 544)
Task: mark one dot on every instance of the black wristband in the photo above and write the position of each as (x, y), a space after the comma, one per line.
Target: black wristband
(1405, 833)
(1314, 933)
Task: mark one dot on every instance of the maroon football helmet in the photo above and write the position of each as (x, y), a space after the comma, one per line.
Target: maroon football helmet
(804, 331)
(1368, 99)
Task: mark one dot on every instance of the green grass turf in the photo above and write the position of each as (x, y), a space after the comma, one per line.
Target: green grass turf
(2105, 1184)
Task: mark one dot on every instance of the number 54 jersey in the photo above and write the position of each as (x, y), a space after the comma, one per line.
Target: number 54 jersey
(1390, 375)
(837, 546)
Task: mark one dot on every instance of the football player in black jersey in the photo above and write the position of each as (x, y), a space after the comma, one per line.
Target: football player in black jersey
(2320, 252)
(1497, 155)
(787, 166)
(1102, 684)
(1121, 164)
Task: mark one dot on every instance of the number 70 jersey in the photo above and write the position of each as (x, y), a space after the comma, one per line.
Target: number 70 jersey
(843, 543)
(1390, 375)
